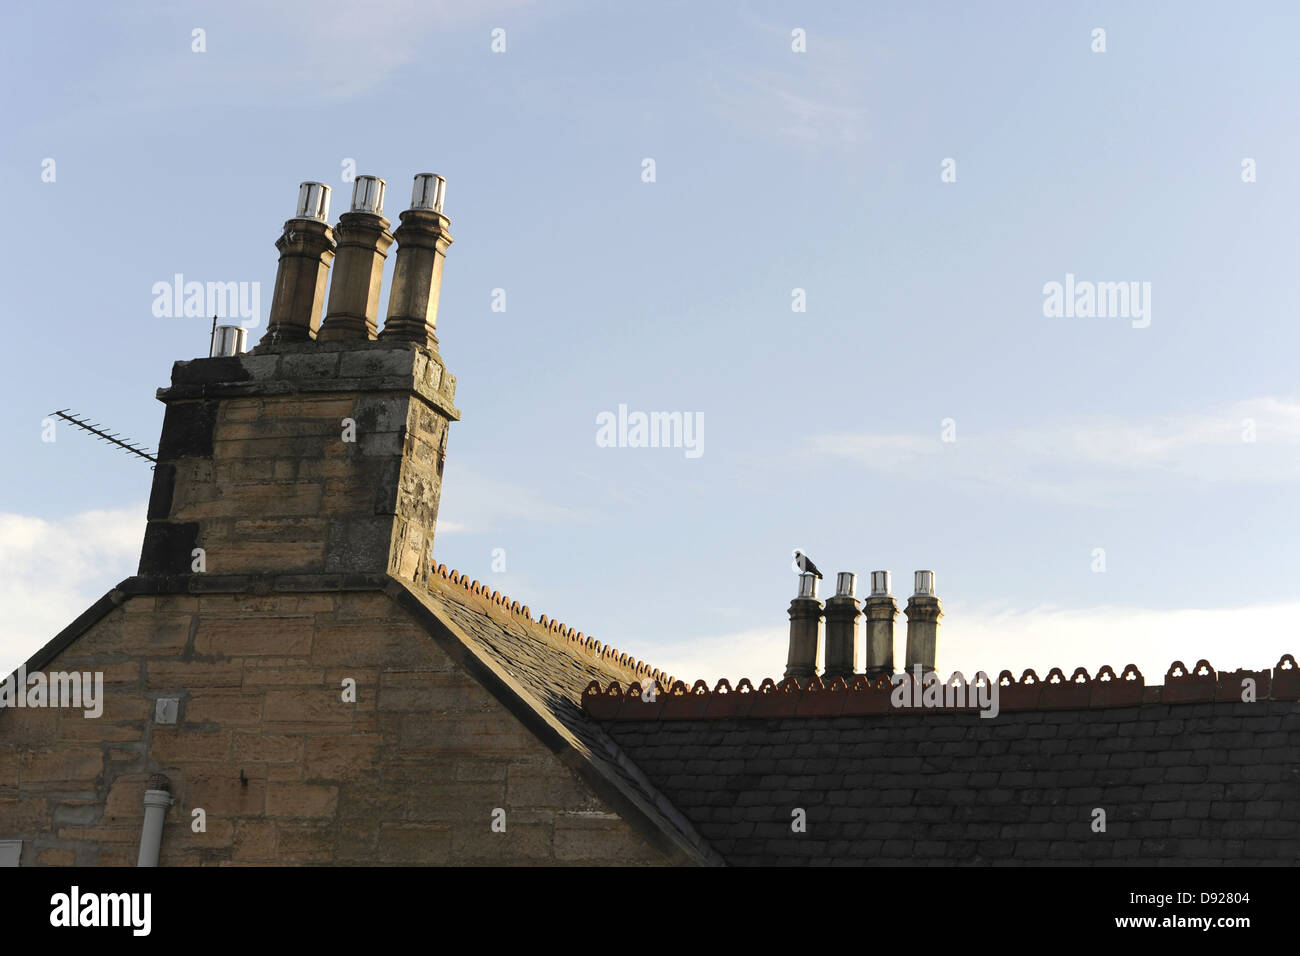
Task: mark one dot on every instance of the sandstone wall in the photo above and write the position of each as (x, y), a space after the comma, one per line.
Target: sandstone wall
(409, 774)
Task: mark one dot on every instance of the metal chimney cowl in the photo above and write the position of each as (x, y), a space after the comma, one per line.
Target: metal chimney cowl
(229, 340)
(313, 202)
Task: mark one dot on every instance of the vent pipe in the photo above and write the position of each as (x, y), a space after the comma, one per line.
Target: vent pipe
(156, 801)
(306, 249)
(363, 241)
(422, 241)
(229, 340)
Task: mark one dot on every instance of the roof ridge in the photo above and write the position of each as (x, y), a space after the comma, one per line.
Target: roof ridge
(577, 639)
(578, 741)
(863, 695)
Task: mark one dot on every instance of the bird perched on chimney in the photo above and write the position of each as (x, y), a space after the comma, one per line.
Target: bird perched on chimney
(804, 564)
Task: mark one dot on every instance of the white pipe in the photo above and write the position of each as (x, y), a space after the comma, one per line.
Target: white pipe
(156, 803)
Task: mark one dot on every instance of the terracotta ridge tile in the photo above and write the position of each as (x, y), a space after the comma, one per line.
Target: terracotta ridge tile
(861, 695)
(589, 646)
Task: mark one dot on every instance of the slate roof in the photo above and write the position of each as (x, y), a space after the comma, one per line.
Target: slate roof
(550, 666)
(1204, 781)
(1187, 773)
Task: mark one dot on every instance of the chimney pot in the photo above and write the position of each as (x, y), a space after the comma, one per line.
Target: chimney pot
(429, 191)
(422, 241)
(306, 249)
(313, 202)
(368, 195)
(923, 611)
(362, 246)
(805, 630)
(842, 616)
(881, 611)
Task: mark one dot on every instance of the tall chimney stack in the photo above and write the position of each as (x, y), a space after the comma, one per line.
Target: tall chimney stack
(805, 631)
(422, 241)
(881, 610)
(306, 249)
(842, 617)
(363, 240)
(305, 457)
(923, 613)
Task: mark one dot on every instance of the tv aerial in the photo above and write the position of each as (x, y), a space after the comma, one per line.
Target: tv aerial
(111, 437)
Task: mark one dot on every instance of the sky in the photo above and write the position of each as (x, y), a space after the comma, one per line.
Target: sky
(824, 233)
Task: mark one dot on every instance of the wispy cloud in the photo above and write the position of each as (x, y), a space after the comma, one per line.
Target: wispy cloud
(51, 571)
(1092, 462)
(766, 104)
(474, 503)
(320, 50)
(812, 98)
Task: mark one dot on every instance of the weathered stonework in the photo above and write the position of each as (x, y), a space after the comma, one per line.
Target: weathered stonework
(302, 458)
(285, 770)
(327, 697)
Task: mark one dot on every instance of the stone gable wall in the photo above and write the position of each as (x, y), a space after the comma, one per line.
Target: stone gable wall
(409, 774)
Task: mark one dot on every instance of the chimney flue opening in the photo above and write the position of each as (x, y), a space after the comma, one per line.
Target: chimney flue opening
(368, 195)
(880, 584)
(846, 584)
(429, 191)
(924, 584)
(808, 585)
(313, 202)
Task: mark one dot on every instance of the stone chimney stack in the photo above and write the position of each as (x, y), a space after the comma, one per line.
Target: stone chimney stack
(842, 617)
(422, 241)
(805, 631)
(363, 240)
(305, 457)
(306, 249)
(881, 611)
(923, 613)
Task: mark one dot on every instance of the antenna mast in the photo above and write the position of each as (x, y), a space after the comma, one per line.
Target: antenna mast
(105, 436)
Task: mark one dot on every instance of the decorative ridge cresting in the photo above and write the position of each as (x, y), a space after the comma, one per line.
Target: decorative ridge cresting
(791, 697)
(575, 638)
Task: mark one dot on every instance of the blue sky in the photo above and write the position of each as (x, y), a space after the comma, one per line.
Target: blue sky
(774, 171)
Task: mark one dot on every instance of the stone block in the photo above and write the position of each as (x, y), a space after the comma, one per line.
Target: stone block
(193, 675)
(255, 747)
(24, 814)
(306, 711)
(341, 756)
(416, 844)
(304, 843)
(301, 801)
(184, 744)
(65, 767)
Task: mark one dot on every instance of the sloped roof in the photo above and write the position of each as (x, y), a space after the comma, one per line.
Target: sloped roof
(1187, 773)
(546, 667)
